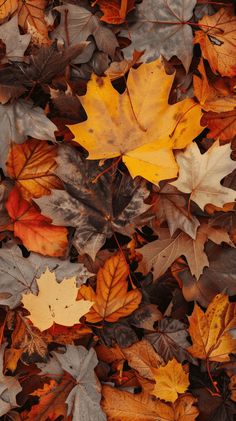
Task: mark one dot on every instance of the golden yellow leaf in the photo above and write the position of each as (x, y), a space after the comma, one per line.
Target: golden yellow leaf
(55, 302)
(31, 19)
(210, 330)
(138, 125)
(7, 8)
(124, 406)
(32, 165)
(112, 300)
(170, 380)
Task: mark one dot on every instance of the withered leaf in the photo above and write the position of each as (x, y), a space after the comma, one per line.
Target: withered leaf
(95, 209)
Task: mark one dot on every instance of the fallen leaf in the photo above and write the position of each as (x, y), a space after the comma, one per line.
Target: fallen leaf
(35, 230)
(84, 399)
(80, 24)
(125, 406)
(172, 207)
(112, 300)
(215, 40)
(170, 340)
(8, 8)
(162, 28)
(210, 330)
(159, 255)
(9, 387)
(170, 380)
(217, 97)
(200, 175)
(31, 14)
(26, 345)
(94, 203)
(18, 274)
(52, 399)
(22, 119)
(221, 125)
(137, 125)
(112, 12)
(55, 302)
(218, 277)
(32, 165)
(16, 44)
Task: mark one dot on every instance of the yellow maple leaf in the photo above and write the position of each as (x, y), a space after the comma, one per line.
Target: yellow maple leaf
(210, 330)
(170, 380)
(55, 302)
(111, 300)
(138, 125)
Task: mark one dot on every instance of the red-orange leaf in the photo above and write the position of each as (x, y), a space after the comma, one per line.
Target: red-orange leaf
(34, 230)
(115, 11)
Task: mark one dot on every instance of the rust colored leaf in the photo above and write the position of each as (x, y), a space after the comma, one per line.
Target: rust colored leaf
(112, 300)
(32, 165)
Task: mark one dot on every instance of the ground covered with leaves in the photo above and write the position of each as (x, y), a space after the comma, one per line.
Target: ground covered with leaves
(117, 213)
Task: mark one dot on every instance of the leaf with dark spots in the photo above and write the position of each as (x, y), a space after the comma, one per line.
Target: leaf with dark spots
(95, 204)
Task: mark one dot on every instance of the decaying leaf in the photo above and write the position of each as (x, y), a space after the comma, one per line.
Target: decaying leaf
(112, 300)
(95, 204)
(16, 43)
(55, 302)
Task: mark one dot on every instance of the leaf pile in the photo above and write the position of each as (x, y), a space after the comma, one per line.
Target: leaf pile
(117, 210)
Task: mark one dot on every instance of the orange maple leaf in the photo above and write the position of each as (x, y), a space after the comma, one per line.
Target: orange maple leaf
(35, 230)
(112, 300)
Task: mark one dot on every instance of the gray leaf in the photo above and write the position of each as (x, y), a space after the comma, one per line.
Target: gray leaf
(19, 274)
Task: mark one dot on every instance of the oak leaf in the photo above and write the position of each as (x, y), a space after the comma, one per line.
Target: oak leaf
(170, 380)
(112, 300)
(32, 165)
(210, 331)
(125, 406)
(35, 230)
(55, 302)
(137, 125)
(200, 175)
(215, 40)
(161, 28)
